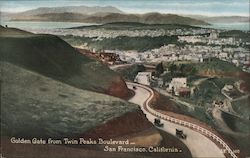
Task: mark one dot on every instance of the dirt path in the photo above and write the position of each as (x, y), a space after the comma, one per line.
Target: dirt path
(216, 113)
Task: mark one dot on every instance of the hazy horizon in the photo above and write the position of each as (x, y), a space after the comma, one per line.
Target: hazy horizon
(182, 7)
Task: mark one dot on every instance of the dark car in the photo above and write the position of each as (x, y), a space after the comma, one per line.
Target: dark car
(180, 134)
(157, 122)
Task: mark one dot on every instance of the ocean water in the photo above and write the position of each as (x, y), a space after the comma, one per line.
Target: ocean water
(42, 25)
(229, 26)
(53, 25)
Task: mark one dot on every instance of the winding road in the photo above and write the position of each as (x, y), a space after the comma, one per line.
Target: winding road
(197, 139)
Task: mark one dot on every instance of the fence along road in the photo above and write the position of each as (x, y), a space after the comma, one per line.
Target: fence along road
(197, 139)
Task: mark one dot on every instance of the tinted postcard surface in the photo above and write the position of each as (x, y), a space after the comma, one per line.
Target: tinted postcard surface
(125, 79)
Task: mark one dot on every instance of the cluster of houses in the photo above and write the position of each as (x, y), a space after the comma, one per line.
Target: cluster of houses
(177, 86)
(109, 58)
(101, 33)
(133, 56)
(238, 56)
(104, 57)
(212, 39)
(199, 44)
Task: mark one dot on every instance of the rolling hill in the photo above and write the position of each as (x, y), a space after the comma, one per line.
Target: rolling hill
(37, 106)
(47, 90)
(52, 57)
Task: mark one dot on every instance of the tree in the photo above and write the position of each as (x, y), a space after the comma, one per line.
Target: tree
(159, 68)
(182, 68)
(194, 71)
(172, 68)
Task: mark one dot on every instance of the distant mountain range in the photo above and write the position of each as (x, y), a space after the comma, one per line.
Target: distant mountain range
(71, 9)
(102, 18)
(109, 14)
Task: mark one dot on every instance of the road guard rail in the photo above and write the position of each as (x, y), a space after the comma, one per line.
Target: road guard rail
(198, 128)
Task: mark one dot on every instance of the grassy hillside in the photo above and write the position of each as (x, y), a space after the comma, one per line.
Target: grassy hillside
(123, 42)
(236, 34)
(36, 106)
(13, 32)
(242, 107)
(52, 57)
(210, 90)
(216, 66)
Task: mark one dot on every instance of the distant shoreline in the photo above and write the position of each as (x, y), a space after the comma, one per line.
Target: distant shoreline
(241, 26)
(30, 24)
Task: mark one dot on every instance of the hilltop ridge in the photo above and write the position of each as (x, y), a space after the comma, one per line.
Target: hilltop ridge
(52, 57)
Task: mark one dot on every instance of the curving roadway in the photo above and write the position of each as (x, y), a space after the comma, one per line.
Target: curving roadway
(199, 145)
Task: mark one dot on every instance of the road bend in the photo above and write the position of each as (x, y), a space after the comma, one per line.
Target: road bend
(197, 140)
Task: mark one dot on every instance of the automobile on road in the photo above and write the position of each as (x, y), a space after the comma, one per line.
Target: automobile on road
(157, 122)
(180, 134)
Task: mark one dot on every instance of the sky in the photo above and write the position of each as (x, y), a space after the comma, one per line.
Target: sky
(194, 7)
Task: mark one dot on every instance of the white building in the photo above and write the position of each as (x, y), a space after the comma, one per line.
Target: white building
(213, 35)
(236, 62)
(177, 83)
(143, 78)
(223, 55)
